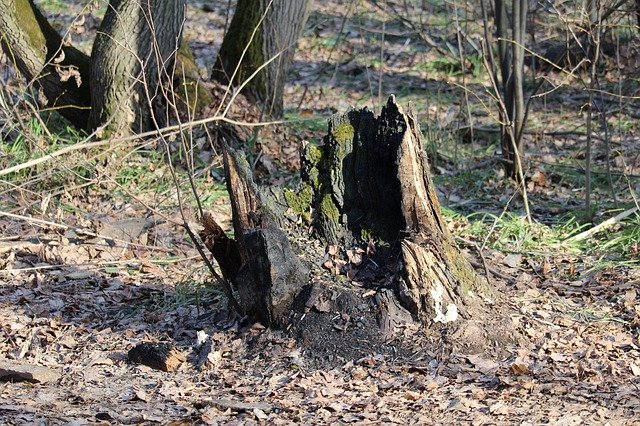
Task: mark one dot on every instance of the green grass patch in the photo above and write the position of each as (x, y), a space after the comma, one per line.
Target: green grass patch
(511, 233)
(298, 123)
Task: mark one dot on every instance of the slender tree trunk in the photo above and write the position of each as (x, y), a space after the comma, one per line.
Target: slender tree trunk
(132, 64)
(519, 33)
(59, 72)
(512, 80)
(260, 31)
(502, 24)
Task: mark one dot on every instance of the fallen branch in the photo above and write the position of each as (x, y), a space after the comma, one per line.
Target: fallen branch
(159, 132)
(604, 225)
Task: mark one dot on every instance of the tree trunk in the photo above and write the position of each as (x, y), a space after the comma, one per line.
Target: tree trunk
(369, 188)
(511, 58)
(132, 64)
(192, 95)
(260, 31)
(60, 72)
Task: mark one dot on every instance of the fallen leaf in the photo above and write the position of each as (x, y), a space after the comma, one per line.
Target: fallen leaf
(512, 260)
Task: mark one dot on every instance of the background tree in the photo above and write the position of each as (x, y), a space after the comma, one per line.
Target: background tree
(120, 83)
(117, 86)
(123, 86)
(58, 71)
(511, 64)
(261, 31)
(132, 64)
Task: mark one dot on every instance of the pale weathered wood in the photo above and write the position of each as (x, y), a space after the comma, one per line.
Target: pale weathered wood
(19, 372)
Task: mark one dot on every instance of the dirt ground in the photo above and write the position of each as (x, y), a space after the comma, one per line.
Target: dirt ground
(88, 272)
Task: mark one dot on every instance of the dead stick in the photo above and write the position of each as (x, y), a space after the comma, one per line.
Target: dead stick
(604, 225)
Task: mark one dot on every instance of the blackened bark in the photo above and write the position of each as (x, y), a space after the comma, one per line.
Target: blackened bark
(244, 51)
(132, 64)
(371, 180)
(270, 275)
(60, 72)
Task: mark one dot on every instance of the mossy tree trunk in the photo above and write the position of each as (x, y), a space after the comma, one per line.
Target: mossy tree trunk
(132, 65)
(260, 31)
(59, 72)
(124, 86)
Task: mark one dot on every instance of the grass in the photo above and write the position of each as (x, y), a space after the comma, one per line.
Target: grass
(298, 123)
(511, 233)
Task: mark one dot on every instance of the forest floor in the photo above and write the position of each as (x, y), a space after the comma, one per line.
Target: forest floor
(93, 259)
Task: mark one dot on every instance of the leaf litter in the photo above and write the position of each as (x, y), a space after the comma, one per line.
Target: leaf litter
(77, 303)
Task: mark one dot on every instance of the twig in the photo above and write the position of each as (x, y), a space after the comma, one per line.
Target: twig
(226, 287)
(604, 225)
(494, 272)
(163, 131)
(79, 231)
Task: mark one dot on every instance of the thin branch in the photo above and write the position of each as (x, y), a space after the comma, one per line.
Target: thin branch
(604, 225)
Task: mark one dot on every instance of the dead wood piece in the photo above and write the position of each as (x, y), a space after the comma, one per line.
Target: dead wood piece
(428, 287)
(159, 356)
(18, 372)
(229, 404)
(392, 314)
(224, 249)
(270, 275)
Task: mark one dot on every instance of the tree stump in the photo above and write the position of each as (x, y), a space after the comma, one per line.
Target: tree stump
(270, 275)
(369, 189)
(371, 180)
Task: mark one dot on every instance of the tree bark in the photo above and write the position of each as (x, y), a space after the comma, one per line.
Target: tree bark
(132, 64)
(192, 95)
(260, 31)
(511, 58)
(59, 71)
(270, 275)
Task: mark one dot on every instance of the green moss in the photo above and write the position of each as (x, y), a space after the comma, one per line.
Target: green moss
(194, 95)
(311, 160)
(314, 154)
(461, 269)
(329, 210)
(29, 24)
(300, 201)
(366, 235)
(344, 132)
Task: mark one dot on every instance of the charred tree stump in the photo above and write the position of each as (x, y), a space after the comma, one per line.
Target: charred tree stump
(369, 191)
(371, 180)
